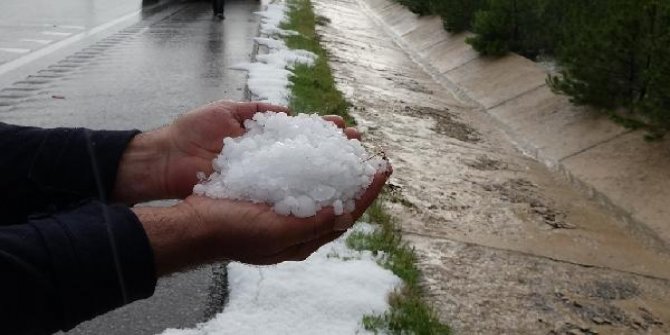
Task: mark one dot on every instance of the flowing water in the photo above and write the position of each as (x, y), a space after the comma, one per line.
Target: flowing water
(506, 245)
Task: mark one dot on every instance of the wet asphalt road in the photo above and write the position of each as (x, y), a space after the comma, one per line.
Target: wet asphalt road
(27, 26)
(145, 67)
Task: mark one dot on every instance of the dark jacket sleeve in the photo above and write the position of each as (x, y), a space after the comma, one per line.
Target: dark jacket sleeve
(75, 259)
(45, 170)
(57, 271)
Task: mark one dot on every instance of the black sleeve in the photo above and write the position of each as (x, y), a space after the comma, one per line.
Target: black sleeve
(45, 170)
(57, 271)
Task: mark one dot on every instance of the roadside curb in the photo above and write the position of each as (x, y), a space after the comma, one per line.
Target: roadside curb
(258, 49)
(611, 164)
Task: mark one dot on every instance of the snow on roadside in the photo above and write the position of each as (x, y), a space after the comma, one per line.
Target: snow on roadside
(326, 294)
(268, 77)
(331, 291)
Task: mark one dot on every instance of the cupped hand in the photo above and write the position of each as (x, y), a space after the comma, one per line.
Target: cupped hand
(164, 163)
(202, 230)
(196, 138)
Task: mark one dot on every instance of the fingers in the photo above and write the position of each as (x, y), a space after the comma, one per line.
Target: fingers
(266, 107)
(371, 193)
(336, 119)
(295, 230)
(291, 230)
(299, 252)
(352, 133)
(247, 110)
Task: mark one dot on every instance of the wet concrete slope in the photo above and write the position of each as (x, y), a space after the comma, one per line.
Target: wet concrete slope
(611, 163)
(507, 246)
(143, 76)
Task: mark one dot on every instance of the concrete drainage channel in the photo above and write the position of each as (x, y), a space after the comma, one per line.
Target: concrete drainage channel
(610, 163)
(505, 245)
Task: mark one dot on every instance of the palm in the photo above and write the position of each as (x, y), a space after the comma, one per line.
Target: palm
(243, 223)
(196, 138)
(254, 233)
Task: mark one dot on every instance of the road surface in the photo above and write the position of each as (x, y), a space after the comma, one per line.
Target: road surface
(119, 65)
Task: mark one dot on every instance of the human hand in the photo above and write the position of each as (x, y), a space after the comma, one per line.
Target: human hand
(201, 230)
(164, 163)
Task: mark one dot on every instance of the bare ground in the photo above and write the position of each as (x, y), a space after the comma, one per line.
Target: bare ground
(506, 246)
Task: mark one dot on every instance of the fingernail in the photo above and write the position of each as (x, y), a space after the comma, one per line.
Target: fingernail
(343, 222)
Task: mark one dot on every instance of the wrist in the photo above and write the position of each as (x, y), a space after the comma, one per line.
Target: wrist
(176, 237)
(138, 176)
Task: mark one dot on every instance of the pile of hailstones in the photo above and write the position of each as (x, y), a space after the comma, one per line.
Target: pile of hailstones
(297, 164)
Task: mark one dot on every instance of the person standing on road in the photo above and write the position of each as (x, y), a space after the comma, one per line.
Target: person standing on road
(217, 7)
(71, 248)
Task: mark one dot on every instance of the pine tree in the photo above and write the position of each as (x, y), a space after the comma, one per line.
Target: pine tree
(457, 15)
(589, 61)
(655, 99)
(620, 61)
(421, 7)
(511, 25)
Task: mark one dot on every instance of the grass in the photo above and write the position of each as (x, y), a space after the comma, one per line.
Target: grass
(409, 313)
(314, 91)
(313, 88)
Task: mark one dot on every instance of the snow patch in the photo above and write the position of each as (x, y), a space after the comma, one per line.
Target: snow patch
(269, 75)
(326, 294)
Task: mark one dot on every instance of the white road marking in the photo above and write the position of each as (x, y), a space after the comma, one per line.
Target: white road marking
(36, 41)
(11, 65)
(56, 33)
(72, 27)
(15, 50)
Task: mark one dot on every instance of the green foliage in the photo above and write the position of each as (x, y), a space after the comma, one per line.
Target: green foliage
(614, 54)
(408, 315)
(421, 7)
(457, 15)
(620, 60)
(522, 26)
(494, 33)
(655, 104)
(602, 60)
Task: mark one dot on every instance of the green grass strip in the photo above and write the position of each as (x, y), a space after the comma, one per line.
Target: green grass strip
(314, 91)
(313, 88)
(409, 313)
